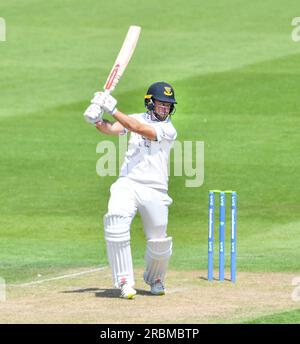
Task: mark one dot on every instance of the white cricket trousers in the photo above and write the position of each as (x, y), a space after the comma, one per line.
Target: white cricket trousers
(128, 197)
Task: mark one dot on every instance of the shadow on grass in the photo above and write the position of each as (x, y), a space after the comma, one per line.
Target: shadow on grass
(108, 292)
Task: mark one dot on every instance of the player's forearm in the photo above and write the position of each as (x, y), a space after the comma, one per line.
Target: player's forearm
(135, 126)
(128, 122)
(105, 127)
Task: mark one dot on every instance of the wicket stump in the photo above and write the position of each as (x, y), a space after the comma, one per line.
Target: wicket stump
(222, 220)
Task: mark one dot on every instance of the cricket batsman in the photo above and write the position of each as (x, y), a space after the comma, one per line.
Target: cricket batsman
(142, 185)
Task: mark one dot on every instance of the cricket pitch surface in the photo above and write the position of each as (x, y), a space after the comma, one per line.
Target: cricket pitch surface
(190, 298)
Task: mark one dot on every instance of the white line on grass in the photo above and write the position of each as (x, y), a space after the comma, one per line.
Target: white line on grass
(58, 277)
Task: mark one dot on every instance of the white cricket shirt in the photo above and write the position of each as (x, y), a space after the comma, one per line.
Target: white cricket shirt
(146, 161)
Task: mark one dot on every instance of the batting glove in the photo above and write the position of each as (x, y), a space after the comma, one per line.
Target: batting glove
(99, 98)
(93, 114)
(109, 104)
(106, 102)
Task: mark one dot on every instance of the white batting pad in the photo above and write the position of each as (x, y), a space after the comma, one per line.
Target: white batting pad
(157, 257)
(117, 237)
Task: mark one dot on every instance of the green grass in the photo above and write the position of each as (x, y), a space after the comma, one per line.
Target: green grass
(236, 80)
(291, 317)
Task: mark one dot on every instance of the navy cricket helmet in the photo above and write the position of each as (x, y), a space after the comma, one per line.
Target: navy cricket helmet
(162, 92)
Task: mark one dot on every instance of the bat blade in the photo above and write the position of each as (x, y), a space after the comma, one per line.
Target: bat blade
(123, 58)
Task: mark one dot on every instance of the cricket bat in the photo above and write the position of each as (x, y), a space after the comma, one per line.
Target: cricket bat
(123, 58)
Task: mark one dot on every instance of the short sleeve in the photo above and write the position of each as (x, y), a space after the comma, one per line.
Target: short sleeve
(165, 131)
